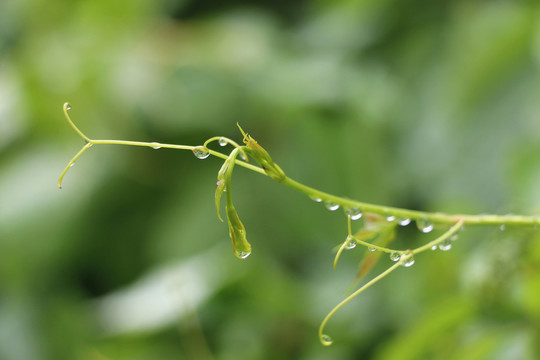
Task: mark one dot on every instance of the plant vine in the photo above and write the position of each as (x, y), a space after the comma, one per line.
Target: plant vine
(379, 222)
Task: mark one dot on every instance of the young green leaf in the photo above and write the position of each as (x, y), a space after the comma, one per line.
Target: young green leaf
(237, 231)
(260, 155)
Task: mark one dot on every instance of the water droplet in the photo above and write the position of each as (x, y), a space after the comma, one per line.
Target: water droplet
(351, 244)
(331, 206)
(454, 237)
(502, 227)
(73, 163)
(372, 249)
(445, 245)
(316, 199)
(355, 213)
(200, 152)
(395, 256)
(403, 221)
(156, 145)
(424, 225)
(390, 218)
(222, 141)
(243, 254)
(67, 106)
(434, 247)
(326, 340)
(409, 261)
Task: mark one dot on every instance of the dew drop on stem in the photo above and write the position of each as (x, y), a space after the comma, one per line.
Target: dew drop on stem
(200, 152)
(351, 244)
(222, 141)
(390, 218)
(395, 256)
(409, 261)
(316, 199)
(331, 206)
(424, 225)
(156, 145)
(67, 106)
(445, 245)
(403, 221)
(326, 340)
(355, 213)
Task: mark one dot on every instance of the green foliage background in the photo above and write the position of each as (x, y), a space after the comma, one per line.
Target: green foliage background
(429, 105)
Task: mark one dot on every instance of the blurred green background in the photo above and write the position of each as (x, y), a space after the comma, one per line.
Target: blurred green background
(430, 105)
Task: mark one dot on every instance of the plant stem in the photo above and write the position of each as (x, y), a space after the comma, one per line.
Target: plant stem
(322, 336)
(437, 218)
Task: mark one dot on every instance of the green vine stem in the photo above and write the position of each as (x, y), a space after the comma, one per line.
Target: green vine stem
(429, 220)
(435, 217)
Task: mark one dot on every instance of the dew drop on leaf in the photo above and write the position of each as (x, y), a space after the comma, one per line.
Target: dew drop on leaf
(243, 254)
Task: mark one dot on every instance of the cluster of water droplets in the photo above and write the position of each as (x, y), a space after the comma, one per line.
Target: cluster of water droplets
(201, 152)
(401, 221)
(397, 255)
